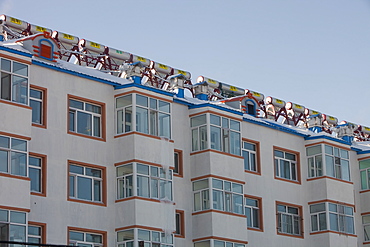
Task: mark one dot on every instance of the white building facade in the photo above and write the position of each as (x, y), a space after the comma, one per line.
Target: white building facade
(89, 158)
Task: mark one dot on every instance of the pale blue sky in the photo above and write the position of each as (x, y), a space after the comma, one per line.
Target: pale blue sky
(311, 52)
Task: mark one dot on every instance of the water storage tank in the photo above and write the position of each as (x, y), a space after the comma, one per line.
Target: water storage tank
(161, 68)
(37, 29)
(225, 88)
(121, 55)
(186, 74)
(92, 46)
(144, 61)
(295, 107)
(257, 96)
(275, 102)
(309, 112)
(65, 38)
(330, 119)
(14, 23)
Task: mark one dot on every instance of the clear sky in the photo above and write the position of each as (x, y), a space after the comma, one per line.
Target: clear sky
(311, 52)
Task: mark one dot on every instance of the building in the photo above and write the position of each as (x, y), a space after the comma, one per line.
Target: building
(99, 147)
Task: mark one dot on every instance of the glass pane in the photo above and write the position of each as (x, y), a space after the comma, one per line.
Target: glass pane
(142, 169)
(19, 145)
(237, 204)
(125, 235)
(367, 232)
(20, 69)
(203, 244)
(218, 200)
(4, 142)
(203, 137)
(71, 186)
(3, 161)
(124, 170)
(35, 94)
(234, 125)
(164, 106)
(333, 222)
(290, 156)
(197, 204)
(97, 191)
(248, 213)
(154, 188)
(365, 219)
(198, 120)
(36, 111)
(84, 121)
(364, 183)
(217, 183)
(329, 150)
(317, 208)
(345, 170)
(93, 108)
(336, 152)
(246, 160)
(329, 165)
(164, 125)
(34, 230)
(18, 164)
(225, 123)
(292, 210)
(17, 233)
(278, 153)
(313, 150)
(76, 104)
(143, 235)
(235, 143)
(17, 217)
(322, 221)
(281, 208)
(217, 243)
(5, 64)
(249, 146)
(142, 186)
(332, 207)
(142, 120)
(215, 120)
(93, 172)
(5, 86)
(251, 202)
(215, 138)
(238, 188)
(79, 236)
(124, 101)
(128, 116)
(363, 163)
(205, 199)
(142, 100)
(72, 120)
(344, 154)
(84, 188)
(4, 215)
(227, 186)
(194, 140)
(76, 169)
(96, 126)
(35, 176)
(201, 184)
(20, 89)
(94, 238)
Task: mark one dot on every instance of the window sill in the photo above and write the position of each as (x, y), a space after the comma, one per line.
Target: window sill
(86, 136)
(218, 211)
(179, 236)
(290, 235)
(142, 134)
(14, 176)
(38, 194)
(140, 198)
(15, 104)
(336, 179)
(39, 125)
(255, 229)
(331, 231)
(216, 151)
(364, 191)
(287, 180)
(252, 172)
(102, 204)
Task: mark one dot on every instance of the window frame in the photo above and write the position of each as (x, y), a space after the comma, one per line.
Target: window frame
(11, 74)
(102, 117)
(366, 172)
(366, 228)
(135, 238)
(42, 227)
(9, 222)
(180, 221)
(103, 180)
(297, 165)
(180, 167)
(87, 231)
(299, 215)
(257, 153)
(43, 109)
(327, 218)
(211, 242)
(259, 207)
(43, 173)
(9, 150)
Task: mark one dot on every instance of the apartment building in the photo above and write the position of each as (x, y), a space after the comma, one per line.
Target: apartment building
(100, 147)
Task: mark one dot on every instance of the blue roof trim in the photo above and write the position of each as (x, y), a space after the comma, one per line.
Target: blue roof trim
(49, 66)
(182, 102)
(275, 126)
(215, 106)
(364, 152)
(156, 90)
(15, 51)
(328, 138)
(359, 150)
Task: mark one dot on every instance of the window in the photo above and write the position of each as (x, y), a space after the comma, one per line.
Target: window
(365, 174)
(36, 232)
(224, 133)
(86, 117)
(37, 172)
(332, 216)
(14, 81)
(13, 156)
(328, 160)
(126, 238)
(38, 104)
(366, 225)
(286, 165)
(151, 181)
(178, 163)
(83, 237)
(217, 243)
(153, 116)
(86, 182)
(253, 211)
(13, 225)
(250, 152)
(289, 219)
(180, 223)
(226, 196)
